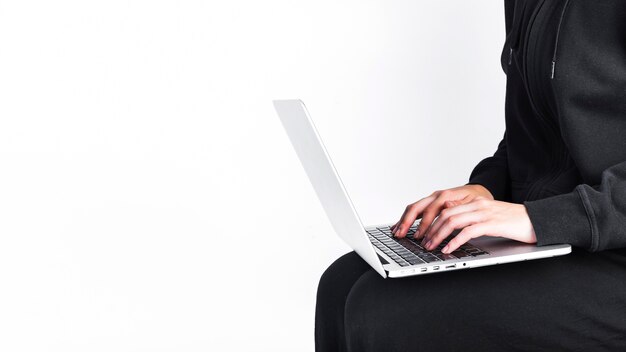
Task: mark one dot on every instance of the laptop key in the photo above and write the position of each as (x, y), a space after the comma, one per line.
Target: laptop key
(388, 251)
(416, 261)
(479, 254)
(412, 247)
(443, 256)
(406, 255)
(431, 259)
(405, 242)
(461, 254)
(418, 251)
(406, 251)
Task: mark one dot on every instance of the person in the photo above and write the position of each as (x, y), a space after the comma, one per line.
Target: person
(557, 176)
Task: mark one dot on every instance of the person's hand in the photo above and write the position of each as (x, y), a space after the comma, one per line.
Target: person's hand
(429, 208)
(480, 217)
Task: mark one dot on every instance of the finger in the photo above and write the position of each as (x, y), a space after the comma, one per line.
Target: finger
(397, 225)
(394, 226)
(450, 224)
(410, 214)
(432, 211)
(428, 217)
(453, 203)
(465, 235)
(450, 204)
(473, 203)
(447, 213)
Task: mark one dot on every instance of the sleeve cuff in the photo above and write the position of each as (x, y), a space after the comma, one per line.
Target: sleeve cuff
(560, 219)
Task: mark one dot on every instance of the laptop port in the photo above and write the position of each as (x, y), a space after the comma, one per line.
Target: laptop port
(423, 269)
(451, 266)
(435, 267)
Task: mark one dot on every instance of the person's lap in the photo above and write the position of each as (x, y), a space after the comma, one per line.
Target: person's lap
(577, 301)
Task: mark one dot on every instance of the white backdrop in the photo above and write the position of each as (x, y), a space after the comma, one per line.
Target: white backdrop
(149, 197)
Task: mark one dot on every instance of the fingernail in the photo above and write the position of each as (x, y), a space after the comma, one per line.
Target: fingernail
(428, 243)
(445, 249)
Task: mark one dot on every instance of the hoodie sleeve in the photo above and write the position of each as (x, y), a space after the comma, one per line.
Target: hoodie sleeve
(591, 217)
(493, 173)
(590, 92)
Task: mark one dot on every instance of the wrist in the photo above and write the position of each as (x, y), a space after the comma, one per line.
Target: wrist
(480, 190)
(531, 230)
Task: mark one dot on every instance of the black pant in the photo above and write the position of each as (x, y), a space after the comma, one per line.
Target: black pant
(573, 302)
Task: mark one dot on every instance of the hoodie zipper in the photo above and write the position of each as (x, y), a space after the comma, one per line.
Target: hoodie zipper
(514, 38)
(560, 153)
(557, 154)
(528, 59)
(515, 33)
(556, 40)
(528, 40)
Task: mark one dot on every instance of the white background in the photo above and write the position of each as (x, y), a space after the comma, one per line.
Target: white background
(149, 197)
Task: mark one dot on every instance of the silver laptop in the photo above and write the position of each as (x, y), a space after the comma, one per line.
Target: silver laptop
(389, 256)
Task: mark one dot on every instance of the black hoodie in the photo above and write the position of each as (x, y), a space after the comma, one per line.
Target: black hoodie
(563, 154)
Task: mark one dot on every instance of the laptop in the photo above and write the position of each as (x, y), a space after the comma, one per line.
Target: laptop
(389, 256)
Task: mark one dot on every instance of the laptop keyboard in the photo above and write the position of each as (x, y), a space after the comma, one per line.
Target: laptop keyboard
(407, 251)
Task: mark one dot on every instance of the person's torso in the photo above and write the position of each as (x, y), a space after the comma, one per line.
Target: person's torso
(539, 162)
